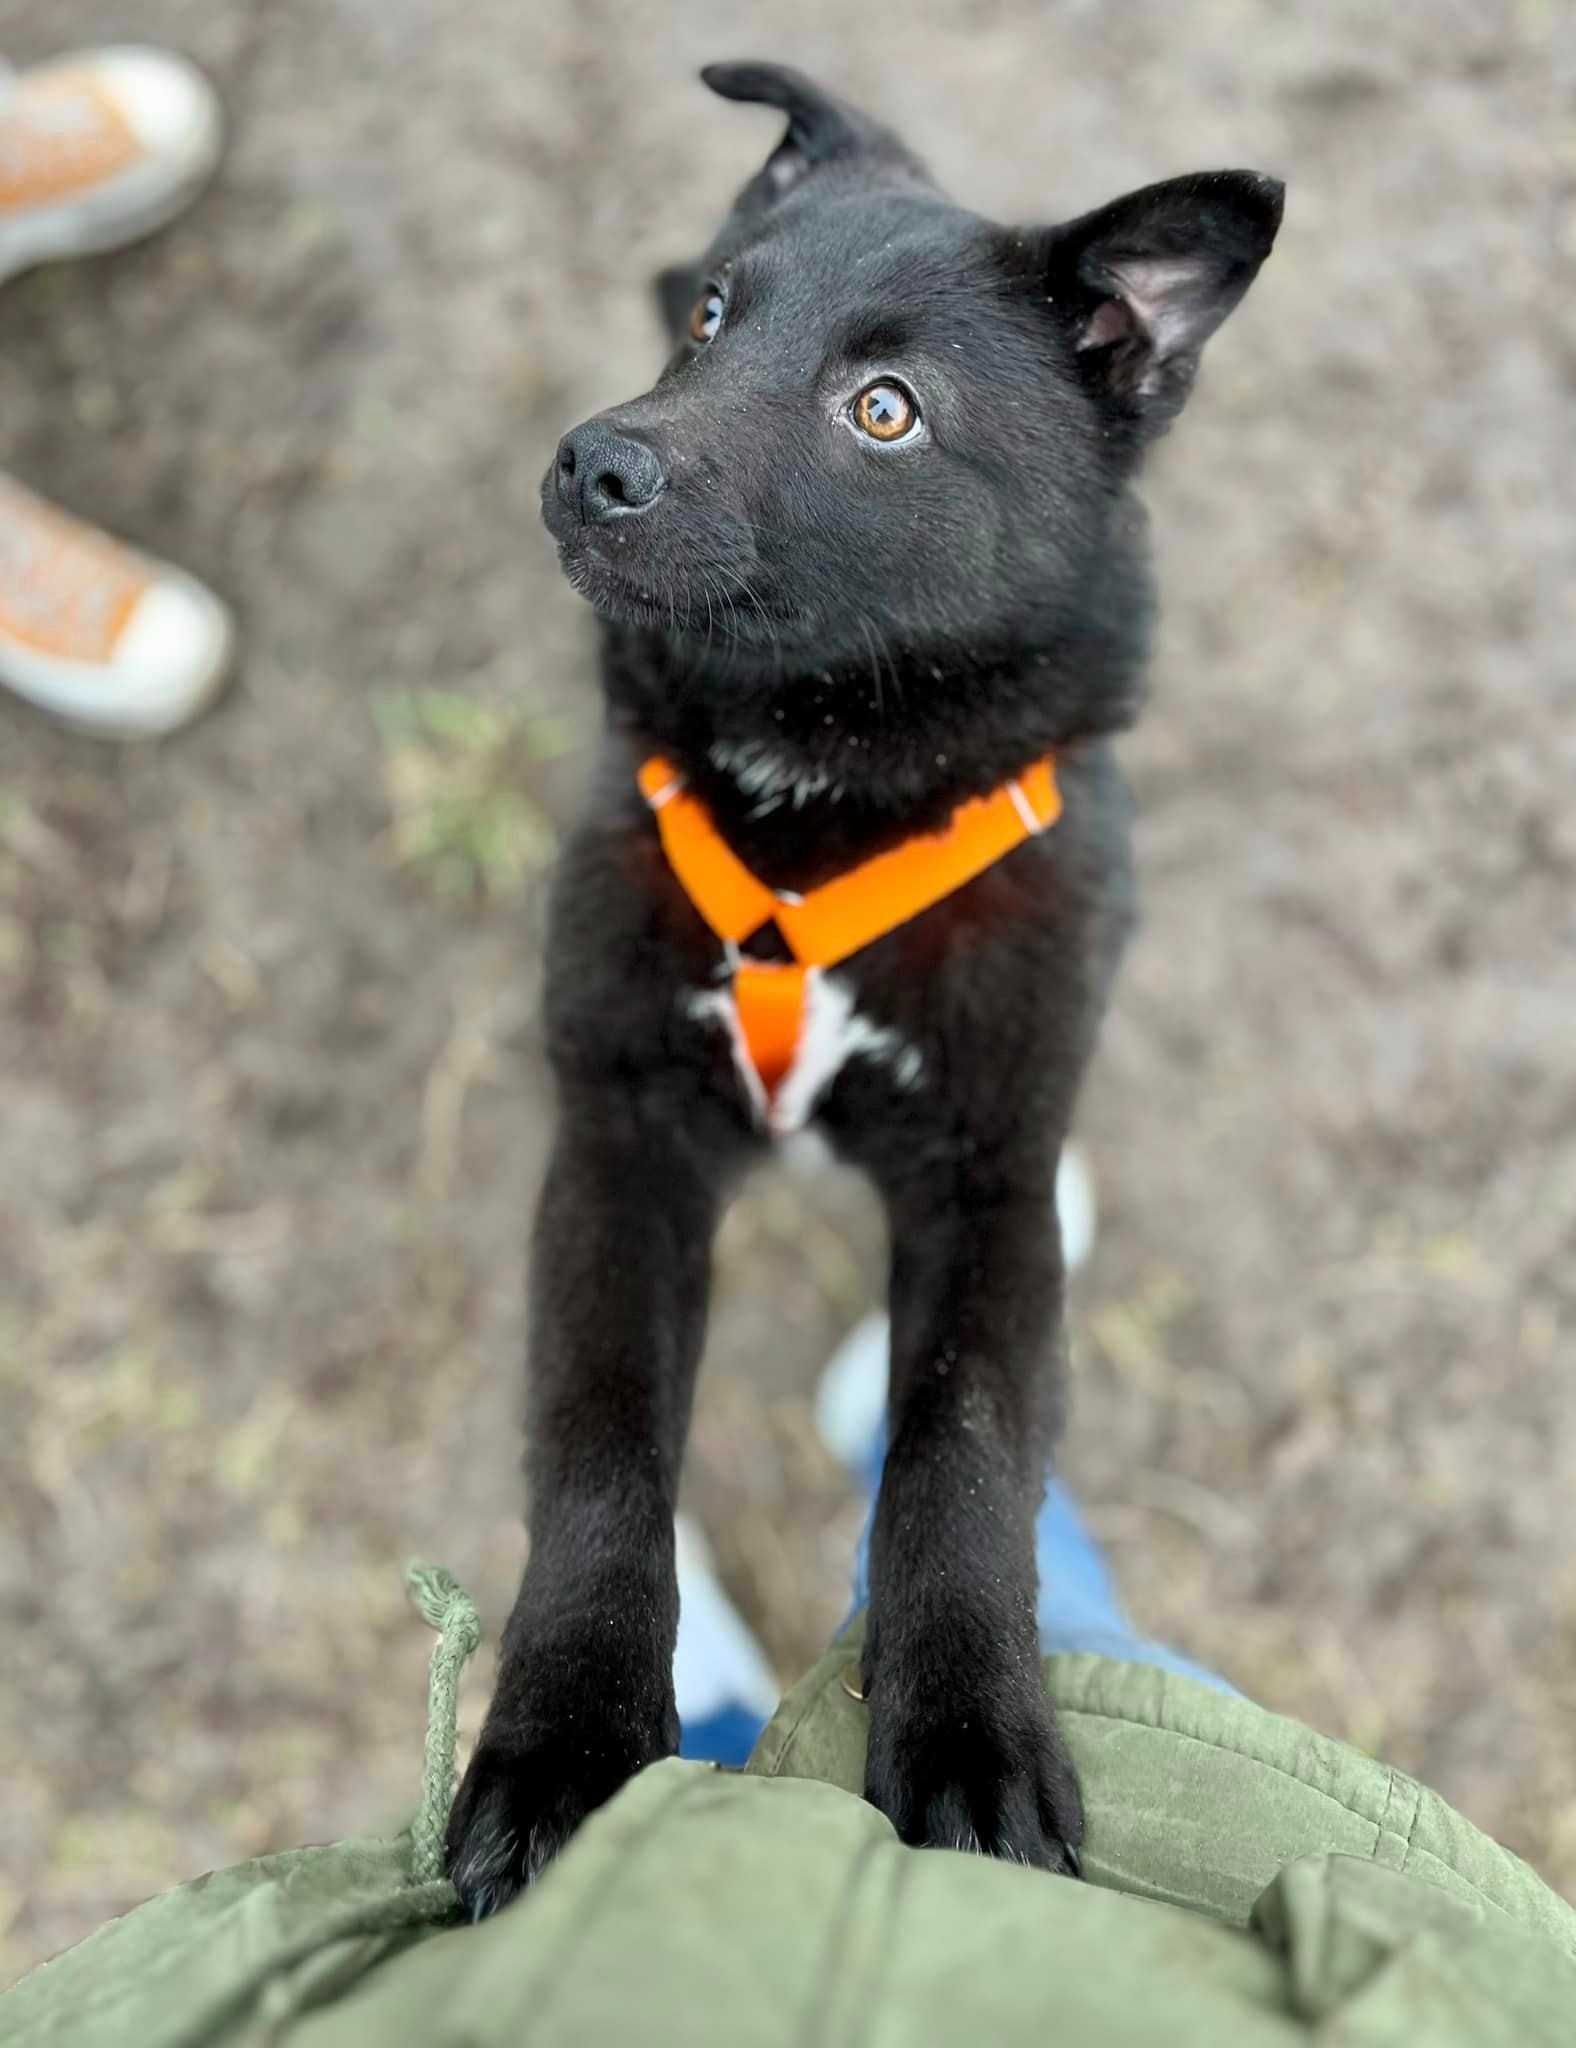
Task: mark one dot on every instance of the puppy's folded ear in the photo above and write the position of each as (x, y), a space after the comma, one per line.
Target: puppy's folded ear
(1144, 282)
(821, 128)
(676, 289)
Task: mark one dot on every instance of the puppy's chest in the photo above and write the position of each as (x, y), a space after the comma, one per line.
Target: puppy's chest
(866, 967)
(791, 1033)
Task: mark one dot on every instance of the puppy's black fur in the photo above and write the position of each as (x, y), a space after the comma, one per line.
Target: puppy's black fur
(840, 641)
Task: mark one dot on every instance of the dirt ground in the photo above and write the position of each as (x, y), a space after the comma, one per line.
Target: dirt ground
(271, 1101)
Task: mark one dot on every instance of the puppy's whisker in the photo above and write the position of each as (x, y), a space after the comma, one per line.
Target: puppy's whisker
(741, 584)
(875, 665)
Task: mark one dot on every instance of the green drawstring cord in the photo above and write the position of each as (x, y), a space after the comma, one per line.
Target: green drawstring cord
(446, 1606)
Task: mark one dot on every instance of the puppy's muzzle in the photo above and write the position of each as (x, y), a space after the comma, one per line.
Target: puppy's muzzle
(604, 475)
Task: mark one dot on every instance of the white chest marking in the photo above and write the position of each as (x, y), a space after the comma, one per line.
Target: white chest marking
(833, 1033)
(756, 769)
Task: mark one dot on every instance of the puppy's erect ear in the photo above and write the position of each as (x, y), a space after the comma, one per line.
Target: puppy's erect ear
(1145, 281)
(821, 129)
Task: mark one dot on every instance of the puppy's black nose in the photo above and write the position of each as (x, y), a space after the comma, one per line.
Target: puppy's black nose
(604, 475)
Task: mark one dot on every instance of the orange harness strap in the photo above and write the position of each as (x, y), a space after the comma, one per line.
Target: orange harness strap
(771, 997)
(829, 923)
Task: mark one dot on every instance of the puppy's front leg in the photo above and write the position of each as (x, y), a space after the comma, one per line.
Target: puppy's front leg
(963, 1750)
(618, 1307)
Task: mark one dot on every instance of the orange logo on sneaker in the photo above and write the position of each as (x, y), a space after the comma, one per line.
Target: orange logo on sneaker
(60, 135)
(64, 589)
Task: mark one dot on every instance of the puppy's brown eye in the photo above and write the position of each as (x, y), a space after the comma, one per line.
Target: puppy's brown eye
(885, 412)
(706, 315)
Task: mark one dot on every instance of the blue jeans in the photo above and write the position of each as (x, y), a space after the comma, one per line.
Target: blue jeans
(1079, 1609)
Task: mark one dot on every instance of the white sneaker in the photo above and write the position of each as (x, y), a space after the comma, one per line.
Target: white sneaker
(99, 149)
(850, 1402)
(717, 1663)
(104, 638)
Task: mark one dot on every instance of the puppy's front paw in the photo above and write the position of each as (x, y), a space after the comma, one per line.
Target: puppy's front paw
(541, 1766)
(975, 1765)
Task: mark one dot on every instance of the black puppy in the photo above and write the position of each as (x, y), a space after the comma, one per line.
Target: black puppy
(865, 552)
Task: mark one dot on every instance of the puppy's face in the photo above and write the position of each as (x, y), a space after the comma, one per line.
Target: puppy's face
(890, 427)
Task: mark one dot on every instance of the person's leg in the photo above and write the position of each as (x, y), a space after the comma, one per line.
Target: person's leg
(96, 151)
(722, 1684)
(1078, 1607)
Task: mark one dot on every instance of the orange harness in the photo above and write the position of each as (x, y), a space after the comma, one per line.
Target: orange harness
(826, 925)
